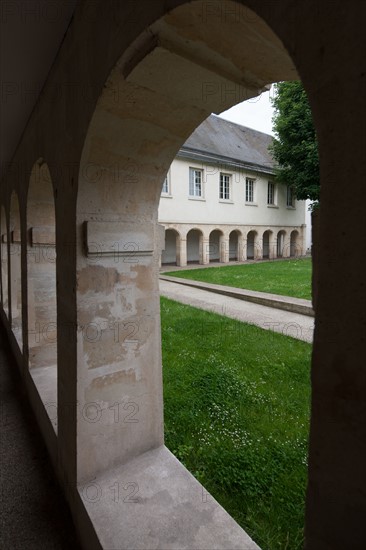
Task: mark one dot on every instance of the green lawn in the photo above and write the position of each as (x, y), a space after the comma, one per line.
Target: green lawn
(236, 401)
(286, 277)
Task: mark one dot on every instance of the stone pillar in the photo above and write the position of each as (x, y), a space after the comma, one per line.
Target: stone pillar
(286, 246)
(204, 251)
(315, 222)
(241, 248)
(224, 249)
(272, 246)
(181, 251)
(258, 248)
(119, 385)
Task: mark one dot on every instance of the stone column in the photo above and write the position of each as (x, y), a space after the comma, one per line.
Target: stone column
(224, 249)
(286, 245)
(258, 248)
(241, 248)
(204, 251)
(272, 246)
(181, 251)
(119, 385)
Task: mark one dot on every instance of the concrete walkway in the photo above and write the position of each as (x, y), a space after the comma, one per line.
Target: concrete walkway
(287, 303)
(293, 324)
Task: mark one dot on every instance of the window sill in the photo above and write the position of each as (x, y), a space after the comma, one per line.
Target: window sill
(291, 207)
(272, 206)
(196, 199)
(166, 502)
(226, 201)
(166, 196)
(251, 204)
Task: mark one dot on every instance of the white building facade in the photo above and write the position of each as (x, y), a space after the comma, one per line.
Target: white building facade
(220, 201)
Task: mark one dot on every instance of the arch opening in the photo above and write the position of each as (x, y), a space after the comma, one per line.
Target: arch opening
(142, 140)
(251, 245)
(170, 252)
(295, 245)
(41, 284)
(215, 246)
(266, 247)
(15, 270)
(4, 263)
(194, 246)
(234, 251)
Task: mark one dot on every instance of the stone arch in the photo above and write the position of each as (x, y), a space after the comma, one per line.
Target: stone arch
(234, 245)
(194, 246)
(337, 426)
(15, 269)
(281, 245)
(295, 245)
(215, 246)
(41, 281)
(252, 245)
(170, 253)
(267, 245)
(127, 151)
(4, 262)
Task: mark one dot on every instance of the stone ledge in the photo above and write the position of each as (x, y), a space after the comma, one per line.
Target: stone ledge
(154, 503)
(287, 303)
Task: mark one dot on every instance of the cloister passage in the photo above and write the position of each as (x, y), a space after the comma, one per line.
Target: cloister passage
(147, 74)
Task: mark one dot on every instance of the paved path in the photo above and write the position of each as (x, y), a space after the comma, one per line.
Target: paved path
(33, 512)
(285, 322)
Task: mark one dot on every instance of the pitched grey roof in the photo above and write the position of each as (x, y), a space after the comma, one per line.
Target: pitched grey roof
(226, 141)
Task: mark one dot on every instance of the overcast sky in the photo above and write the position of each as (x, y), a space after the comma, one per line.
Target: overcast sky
(255, 113)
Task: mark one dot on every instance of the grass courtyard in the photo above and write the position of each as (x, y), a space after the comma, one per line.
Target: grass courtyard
(236, 402)
(286, 277)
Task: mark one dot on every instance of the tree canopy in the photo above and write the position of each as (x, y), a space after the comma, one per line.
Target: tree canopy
(295, 147)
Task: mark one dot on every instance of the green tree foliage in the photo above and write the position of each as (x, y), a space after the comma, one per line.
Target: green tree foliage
(295, 147)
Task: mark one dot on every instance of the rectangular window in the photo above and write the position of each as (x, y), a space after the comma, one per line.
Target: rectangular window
(271, 193)
(225, 191)
(249, 190)
(165, 190)
(290, 197)
(195, 182)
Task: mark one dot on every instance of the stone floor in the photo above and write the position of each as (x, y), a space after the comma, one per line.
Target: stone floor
(33, 513)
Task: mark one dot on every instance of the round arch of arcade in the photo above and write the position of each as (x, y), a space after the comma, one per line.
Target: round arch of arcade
(184, 244)
(123, 144)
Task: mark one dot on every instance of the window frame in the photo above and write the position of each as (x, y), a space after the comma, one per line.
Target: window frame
(271, 185)
(290, 194)
(193, 184)
(225, 187)
(166, 193)
(250, 194)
